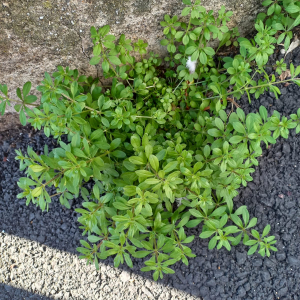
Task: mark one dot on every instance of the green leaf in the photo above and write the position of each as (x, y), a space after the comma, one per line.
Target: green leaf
(93, 238)
(97, 50)
(18, 91)
(96, 134)
(37, 168)
(186, 11)
(219, 124)
(37, 191)
(141, 254)
(193, 223)
(119, 154)
(78, 152)
(252, 223)
(144, 173)
(30, 99)
(164, 42)
(190, 50)
(278, 26)
(214, 132)
(271, 10)
(170, 166)
(236, 139)
(120, 206)
(218, 212)
(266, 230)
(3, 89)
(154, 162)
(136, 160)
(212, 243)
(267, 2)
(239, 127)
(292, 8)
(188, 239)
(203, 58)
(23, 119)
(148, 150)
(85, 244)
(95, 60)
(209, 51)
(206, 234)
(130, 190)
(105, 66)
(255, 233)
(115, 60)
(115, 143)
(185, 40)
(263, 112)
(252, 249)
(26, 88)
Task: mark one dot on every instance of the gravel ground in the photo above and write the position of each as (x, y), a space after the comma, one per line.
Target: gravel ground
(272, 197)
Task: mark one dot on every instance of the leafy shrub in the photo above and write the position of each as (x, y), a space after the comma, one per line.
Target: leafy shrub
(161, 150)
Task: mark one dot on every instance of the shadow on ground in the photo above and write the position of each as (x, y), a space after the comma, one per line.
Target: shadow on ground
(8, 292)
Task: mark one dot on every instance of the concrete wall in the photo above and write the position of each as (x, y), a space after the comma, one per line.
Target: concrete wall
(38, 35)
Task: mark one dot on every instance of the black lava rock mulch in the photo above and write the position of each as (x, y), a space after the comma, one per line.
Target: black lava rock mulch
(273, 197)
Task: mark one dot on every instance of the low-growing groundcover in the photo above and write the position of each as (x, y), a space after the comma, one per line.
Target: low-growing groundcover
(158, 143)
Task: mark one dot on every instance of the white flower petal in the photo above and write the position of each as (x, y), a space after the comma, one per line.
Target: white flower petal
(191, 65)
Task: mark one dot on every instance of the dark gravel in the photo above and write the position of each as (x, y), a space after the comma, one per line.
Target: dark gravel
(273, 197)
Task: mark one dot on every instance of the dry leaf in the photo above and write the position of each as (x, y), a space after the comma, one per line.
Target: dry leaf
(293, 45)
(285, 74)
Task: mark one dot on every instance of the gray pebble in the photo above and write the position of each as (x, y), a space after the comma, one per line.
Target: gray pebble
(294, 261)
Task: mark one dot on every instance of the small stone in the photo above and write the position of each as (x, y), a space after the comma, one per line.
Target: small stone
(283, 91)
(241, 291)
(94, 286)
(247, 286)
(147, 292)
(280, 256)
(64, 226)
(265, 275)
(257, 262)
(5, 146)
(8, 288)
(241, 257)
(125, 276)
(283, 292)
(31, 216)
(211, 282)
(41, 239)
(286, 149)
(294, 261)
(218, 273)
(204, 291)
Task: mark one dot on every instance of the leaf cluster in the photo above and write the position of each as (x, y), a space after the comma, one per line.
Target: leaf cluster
(157, 144)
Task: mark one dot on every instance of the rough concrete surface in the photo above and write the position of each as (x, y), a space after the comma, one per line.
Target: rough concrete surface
(38, 35)
(30, 270)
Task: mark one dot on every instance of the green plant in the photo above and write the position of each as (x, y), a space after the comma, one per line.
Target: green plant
(283, 16)
(158, 145)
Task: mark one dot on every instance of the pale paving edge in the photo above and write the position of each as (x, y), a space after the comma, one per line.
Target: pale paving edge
(45, 271)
